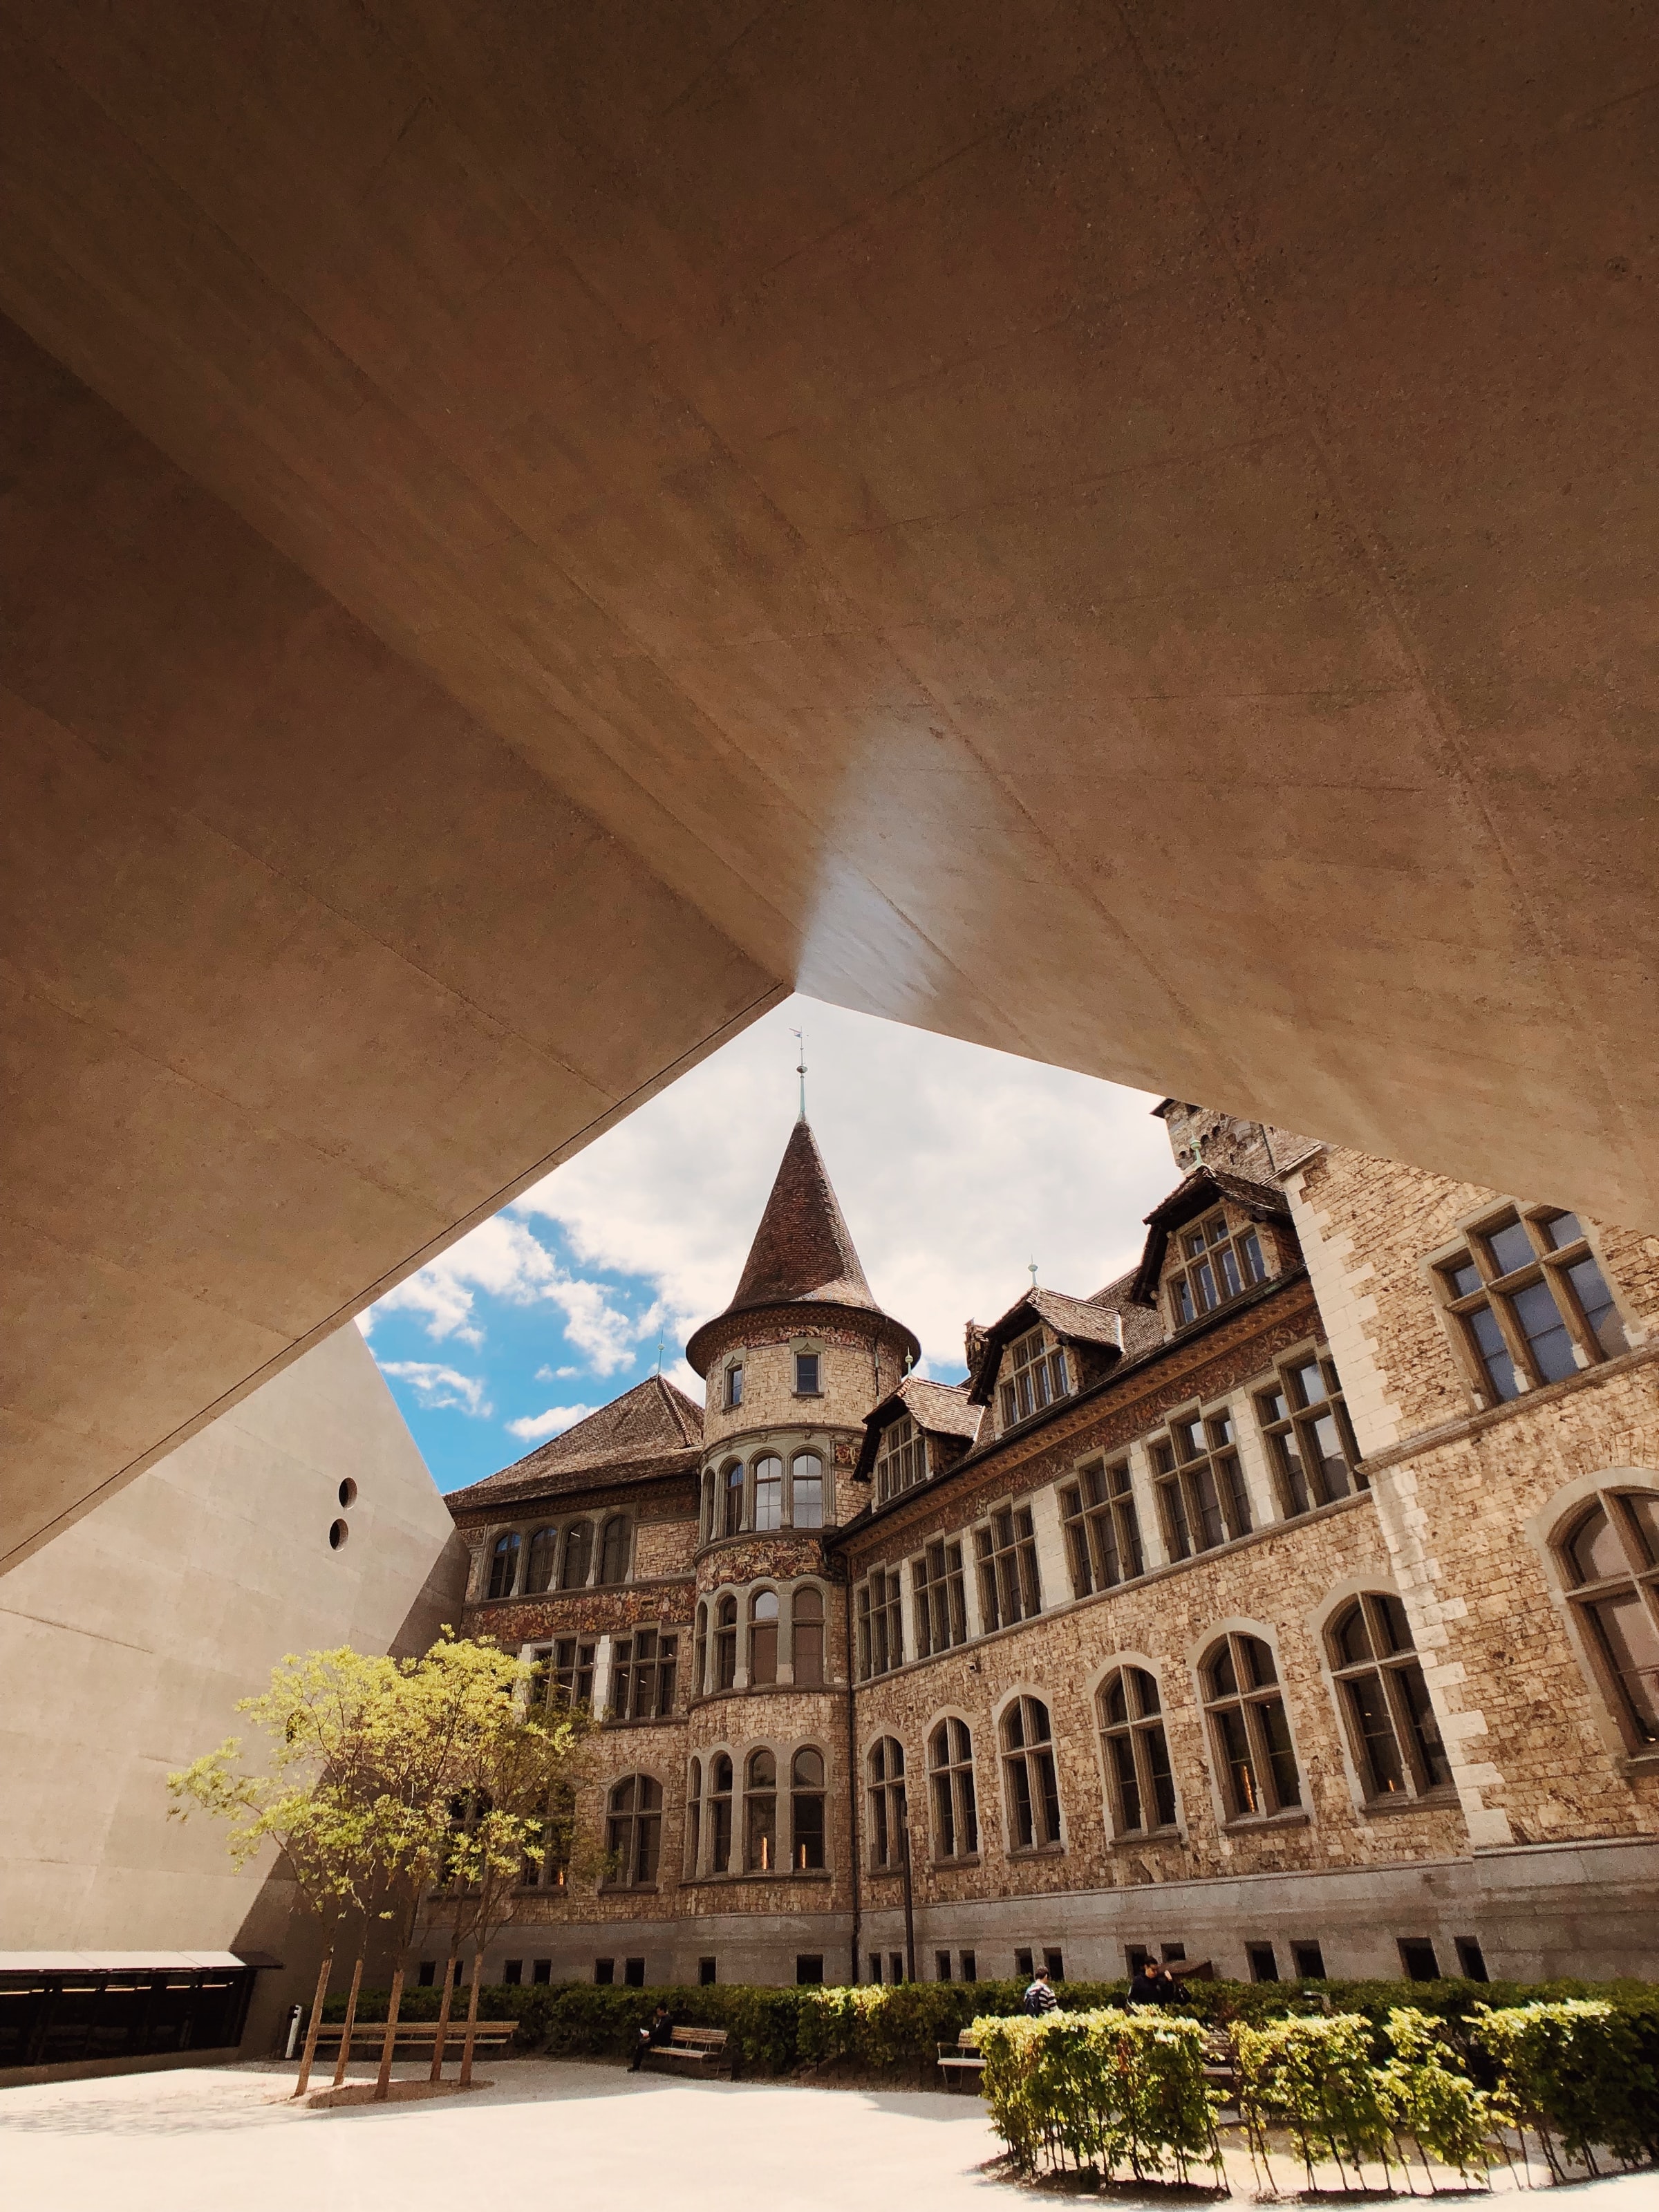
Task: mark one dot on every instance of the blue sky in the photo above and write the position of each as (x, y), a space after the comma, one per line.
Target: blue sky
(955, 1167)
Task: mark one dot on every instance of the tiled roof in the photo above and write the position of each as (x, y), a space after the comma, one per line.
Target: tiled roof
(1080, 1321)
(1140, 1324)
(944, 1409)
(1191, 1197)
(652, 1430)
(803, 1253)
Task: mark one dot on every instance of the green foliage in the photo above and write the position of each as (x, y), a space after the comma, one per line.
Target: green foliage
(1100, 2089)
(1575, 2070)
(1314, 2077)
(1427, 2096)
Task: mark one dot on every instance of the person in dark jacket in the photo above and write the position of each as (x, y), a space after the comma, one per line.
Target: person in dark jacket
(1153, 1983)
(1039, 1997)
(661, 2028)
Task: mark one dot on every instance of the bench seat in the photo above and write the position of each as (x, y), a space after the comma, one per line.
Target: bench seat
(693, 2047)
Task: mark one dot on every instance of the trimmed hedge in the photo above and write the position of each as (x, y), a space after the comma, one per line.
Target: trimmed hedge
(1097, 2090)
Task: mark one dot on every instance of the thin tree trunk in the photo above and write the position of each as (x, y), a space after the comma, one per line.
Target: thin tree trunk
(451, 1965)
(351, 2021)
(317, 2003)
(471, 2020)
(383, 2083)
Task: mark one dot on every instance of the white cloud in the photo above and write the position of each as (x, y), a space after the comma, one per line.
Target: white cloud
(439, 1386)
(954, 1165)
(534, 1427)
(556, 1374)
(503, 1258)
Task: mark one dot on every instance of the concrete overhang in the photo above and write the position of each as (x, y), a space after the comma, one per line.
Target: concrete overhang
(1125, 535)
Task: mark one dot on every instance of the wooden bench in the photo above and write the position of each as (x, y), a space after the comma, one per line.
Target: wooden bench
(960, 2061)
(704, 2047)
(369, 2035)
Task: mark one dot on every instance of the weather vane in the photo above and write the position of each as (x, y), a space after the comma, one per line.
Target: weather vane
(1031, 1265)
(799, 1035)
(659, 1351)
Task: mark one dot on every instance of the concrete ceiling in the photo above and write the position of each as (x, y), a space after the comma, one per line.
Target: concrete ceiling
(1125, 533)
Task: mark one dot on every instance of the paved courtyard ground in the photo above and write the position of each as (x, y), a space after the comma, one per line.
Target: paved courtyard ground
(564, 2134)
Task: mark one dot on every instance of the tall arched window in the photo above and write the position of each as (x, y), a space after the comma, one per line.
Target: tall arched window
(760, 1813)
(578, 1555)
(700, 1652)
(1392, 1728)
(806, 1491)
(806, 1617)
(633, 1831)
(720, 1814)
(694, 1819)
(709, 1494)
(1027, 1767)
(806, 1809)
(886, 1767)
(769, 1492)
(731, 1523)
(1248, 1727)
(725, 1643)
(504, 1565)
(951, 1770)
(544, 1551)
(1138, 1775)
(1609, 1561)
(763, 1638)
(613, 1550)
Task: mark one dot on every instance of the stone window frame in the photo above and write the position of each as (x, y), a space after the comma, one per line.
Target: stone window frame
(903, 1445)
(718, 1489)
(543, 1651)
(1179, 1484)
(1271, 1428)
(1198, 1654)
(783, 1751)
(731, 1379)
(1321, 1625)
(939, 1598)
(1054, 1846)
(641, 1770)
(705, 1627)
(528, 1526)
(1014, 1376)
(1079, 1527)
(656, 1662)
(1496, 1292)
(983, 1533)
(1095, 1684)
(1548, 1531)
(810, 1347)
(947, 1717)
(882, 1821)
(878, 1620)
(1184, 1270)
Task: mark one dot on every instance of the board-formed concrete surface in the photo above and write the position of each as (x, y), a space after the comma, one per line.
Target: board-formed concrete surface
(576, 2135)
(1125, 533)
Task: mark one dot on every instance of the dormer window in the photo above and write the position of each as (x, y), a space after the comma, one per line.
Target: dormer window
(1035, 1377)
(806, 1375)
(734, 1384)
(902, 1462)
(1217, 1263)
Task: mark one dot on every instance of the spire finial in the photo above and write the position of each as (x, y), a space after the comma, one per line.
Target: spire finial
(1031, 1267)
(799, 1035)
(659, 1351)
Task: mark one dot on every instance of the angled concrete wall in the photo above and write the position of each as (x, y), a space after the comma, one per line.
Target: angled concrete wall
(124, 1645)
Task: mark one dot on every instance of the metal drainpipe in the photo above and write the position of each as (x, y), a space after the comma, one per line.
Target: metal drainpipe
(852, 1779)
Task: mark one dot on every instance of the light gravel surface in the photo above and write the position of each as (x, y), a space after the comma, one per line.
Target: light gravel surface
(561, 2133)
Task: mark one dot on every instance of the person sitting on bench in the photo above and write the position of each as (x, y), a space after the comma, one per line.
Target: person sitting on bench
(661, 2027)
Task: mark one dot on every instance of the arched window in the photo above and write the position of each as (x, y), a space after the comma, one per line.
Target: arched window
(1137, 1777)
(504, 1565)
(763, 1638)
(760, 1814)
(769, 1492)
(578, 1555)
(709, 1495)
(732, 1522)
(1248, 1726)
(806, 1809)
(694, 1819)
(887, 1838)
(1027, 1767)
(700, 1653)
(806, 1617)
(543, 1550)
(1609, 1561)
(720, 1814)
(951, 1770)
(613, 1550)
(633, 1831)
(725, 1644)
(1385, 1701)
(806, 1491)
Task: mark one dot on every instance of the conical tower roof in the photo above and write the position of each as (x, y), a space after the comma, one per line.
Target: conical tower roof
(803, 1252)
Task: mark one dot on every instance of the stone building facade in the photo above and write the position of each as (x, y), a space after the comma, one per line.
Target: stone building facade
(1291, 1603)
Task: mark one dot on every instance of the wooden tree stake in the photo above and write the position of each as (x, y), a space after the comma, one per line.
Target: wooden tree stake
(310, 2052)
(351, 2022)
